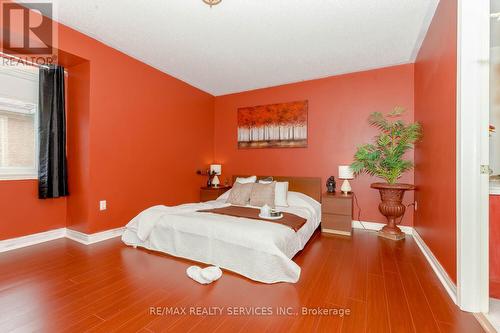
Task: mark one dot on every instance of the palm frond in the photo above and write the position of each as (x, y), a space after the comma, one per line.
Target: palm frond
(385, 157)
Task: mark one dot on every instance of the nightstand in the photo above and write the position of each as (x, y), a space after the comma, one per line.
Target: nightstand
(336, 213)
(212, 193)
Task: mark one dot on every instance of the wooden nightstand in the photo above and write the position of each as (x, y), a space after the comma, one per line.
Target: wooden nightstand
(212, 193)
(336, 213)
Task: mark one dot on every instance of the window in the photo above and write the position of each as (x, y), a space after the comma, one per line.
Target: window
(18, 121)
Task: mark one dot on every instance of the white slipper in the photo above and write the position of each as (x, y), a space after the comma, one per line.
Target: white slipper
(211, 273)
(194, 272)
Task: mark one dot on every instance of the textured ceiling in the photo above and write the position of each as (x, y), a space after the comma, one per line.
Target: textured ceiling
(240, 45)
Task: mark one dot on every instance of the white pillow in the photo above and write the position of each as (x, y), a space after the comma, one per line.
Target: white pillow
(280, 192)
(251, 179)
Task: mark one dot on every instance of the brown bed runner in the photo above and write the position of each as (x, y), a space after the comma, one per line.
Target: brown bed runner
(290, 220)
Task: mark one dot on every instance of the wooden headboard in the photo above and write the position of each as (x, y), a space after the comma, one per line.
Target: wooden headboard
(310, 186)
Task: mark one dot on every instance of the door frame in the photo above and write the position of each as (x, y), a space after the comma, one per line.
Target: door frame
(473, 44)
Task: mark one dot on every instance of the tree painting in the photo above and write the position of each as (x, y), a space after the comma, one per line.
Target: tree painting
(274, 125)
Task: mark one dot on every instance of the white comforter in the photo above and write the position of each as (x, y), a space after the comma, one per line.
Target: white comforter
(261, 251)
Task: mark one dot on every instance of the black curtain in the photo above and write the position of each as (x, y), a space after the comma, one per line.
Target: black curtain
(52, 168)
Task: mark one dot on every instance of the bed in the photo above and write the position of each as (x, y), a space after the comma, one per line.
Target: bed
(259, 250)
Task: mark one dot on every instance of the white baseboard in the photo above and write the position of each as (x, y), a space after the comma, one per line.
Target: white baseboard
(441, 273)
(42, 237)
(88, 239)
(375, 226)
(485, 322)
(18, 242)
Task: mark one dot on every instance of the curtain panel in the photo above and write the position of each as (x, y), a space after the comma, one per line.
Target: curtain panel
(52, 167)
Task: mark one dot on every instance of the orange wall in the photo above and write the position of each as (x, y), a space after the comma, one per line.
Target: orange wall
(136, 136)
(435, 156)
(338, 111)
(148, 134)
(78, 142)
(22, 213)
(494, 249)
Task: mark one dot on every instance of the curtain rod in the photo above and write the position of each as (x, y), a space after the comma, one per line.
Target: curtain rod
(24, 61)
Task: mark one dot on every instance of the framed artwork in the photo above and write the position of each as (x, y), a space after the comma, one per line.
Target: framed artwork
(281, 125)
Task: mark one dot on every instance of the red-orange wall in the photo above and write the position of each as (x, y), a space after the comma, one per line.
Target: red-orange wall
(338, 111)
(494, 248)
(136, 136)
(148, 134)
(435, 156)
(22, 213)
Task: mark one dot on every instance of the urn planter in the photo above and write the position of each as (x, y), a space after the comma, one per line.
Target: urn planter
(391, 206)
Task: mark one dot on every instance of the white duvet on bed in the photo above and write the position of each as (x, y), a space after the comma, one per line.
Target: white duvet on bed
(261, 251)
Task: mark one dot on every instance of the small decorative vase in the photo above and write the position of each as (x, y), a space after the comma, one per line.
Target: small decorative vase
(392, 207)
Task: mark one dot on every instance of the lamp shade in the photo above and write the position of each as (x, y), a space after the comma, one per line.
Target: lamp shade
(345, 172)
(216, 168)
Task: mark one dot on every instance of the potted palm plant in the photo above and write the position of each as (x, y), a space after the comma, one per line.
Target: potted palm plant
(385, 159)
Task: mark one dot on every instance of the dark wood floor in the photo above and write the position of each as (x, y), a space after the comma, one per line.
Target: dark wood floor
(62, 286)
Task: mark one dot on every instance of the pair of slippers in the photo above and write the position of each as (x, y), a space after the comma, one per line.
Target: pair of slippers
(204, 276)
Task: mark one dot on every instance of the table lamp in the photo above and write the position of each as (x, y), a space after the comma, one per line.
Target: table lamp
(345, 173)
(216, 170)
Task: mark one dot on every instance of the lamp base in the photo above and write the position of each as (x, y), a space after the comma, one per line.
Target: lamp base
(215, 181)
(346, 187)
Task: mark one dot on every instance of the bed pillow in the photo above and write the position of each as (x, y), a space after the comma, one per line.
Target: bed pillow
(240, 194)
(240, 180)
(247, 180)
(280, 192)
(262, 194)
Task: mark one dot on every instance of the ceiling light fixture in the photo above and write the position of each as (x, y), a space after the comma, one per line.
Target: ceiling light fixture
(212, 2)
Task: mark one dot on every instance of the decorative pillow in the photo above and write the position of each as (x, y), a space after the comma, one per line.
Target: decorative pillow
(240, 194)
(262, 194)
(241, 180)
(280, 192)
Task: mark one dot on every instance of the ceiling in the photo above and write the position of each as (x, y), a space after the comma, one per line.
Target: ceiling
(241, 45)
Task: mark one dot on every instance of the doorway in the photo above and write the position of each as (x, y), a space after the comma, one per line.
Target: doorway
(473, 48)
(494, 170)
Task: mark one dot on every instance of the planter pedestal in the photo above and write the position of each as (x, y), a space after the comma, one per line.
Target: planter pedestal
(392, 207)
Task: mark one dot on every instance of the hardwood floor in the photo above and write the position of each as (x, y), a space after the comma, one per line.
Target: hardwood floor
(62, 286)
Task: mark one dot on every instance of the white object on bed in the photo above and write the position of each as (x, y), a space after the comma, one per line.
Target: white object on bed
(269, 217)
(265, 211)
(280, 192)
(261, 251)
(242, 180)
